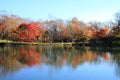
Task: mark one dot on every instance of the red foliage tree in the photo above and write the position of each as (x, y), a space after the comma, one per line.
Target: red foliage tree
(29, 32)
(101, 33)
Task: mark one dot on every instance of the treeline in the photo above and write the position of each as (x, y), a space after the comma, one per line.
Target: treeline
(15, 28)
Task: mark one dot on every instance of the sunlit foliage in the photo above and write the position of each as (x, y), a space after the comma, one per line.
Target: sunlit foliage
(15, 28)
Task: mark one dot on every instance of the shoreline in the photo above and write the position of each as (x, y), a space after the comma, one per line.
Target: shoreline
(79, 44)
(34, 43)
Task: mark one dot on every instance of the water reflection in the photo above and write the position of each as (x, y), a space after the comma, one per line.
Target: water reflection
(13, 58)
(116, 60)
(29, 56)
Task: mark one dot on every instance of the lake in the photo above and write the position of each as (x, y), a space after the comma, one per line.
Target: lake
(59, 63)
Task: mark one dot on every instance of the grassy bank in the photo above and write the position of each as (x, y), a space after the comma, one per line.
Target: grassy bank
(110, 41)
(7, 42)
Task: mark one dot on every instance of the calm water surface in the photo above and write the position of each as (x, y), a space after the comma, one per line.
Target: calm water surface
(59, 63)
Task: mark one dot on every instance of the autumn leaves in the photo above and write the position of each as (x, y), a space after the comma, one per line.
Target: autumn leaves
(15, 28)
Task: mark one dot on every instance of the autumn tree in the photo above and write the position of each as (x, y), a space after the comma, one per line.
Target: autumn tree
(96, 25)
(116, 27)
(62, 31)
(116, 31)
(0, 30)
(100, 33)
(29, 32)
(79, 31)
(55, 30)
(73, 29)
(9, 25)
(51, 30)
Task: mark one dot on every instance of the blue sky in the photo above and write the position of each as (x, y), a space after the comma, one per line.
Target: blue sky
(85, 10)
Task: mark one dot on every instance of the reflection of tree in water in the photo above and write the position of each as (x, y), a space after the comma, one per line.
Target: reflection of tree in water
(29, 56)
(8, 59)
(87, 55)
(115, 56)
(13, 58)
(115, 53)
(58, 56)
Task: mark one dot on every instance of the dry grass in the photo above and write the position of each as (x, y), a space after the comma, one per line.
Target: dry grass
(34, 43)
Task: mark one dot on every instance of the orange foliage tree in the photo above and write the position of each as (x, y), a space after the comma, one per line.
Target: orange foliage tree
(100, 33)
(9, 25)
(74, 30)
